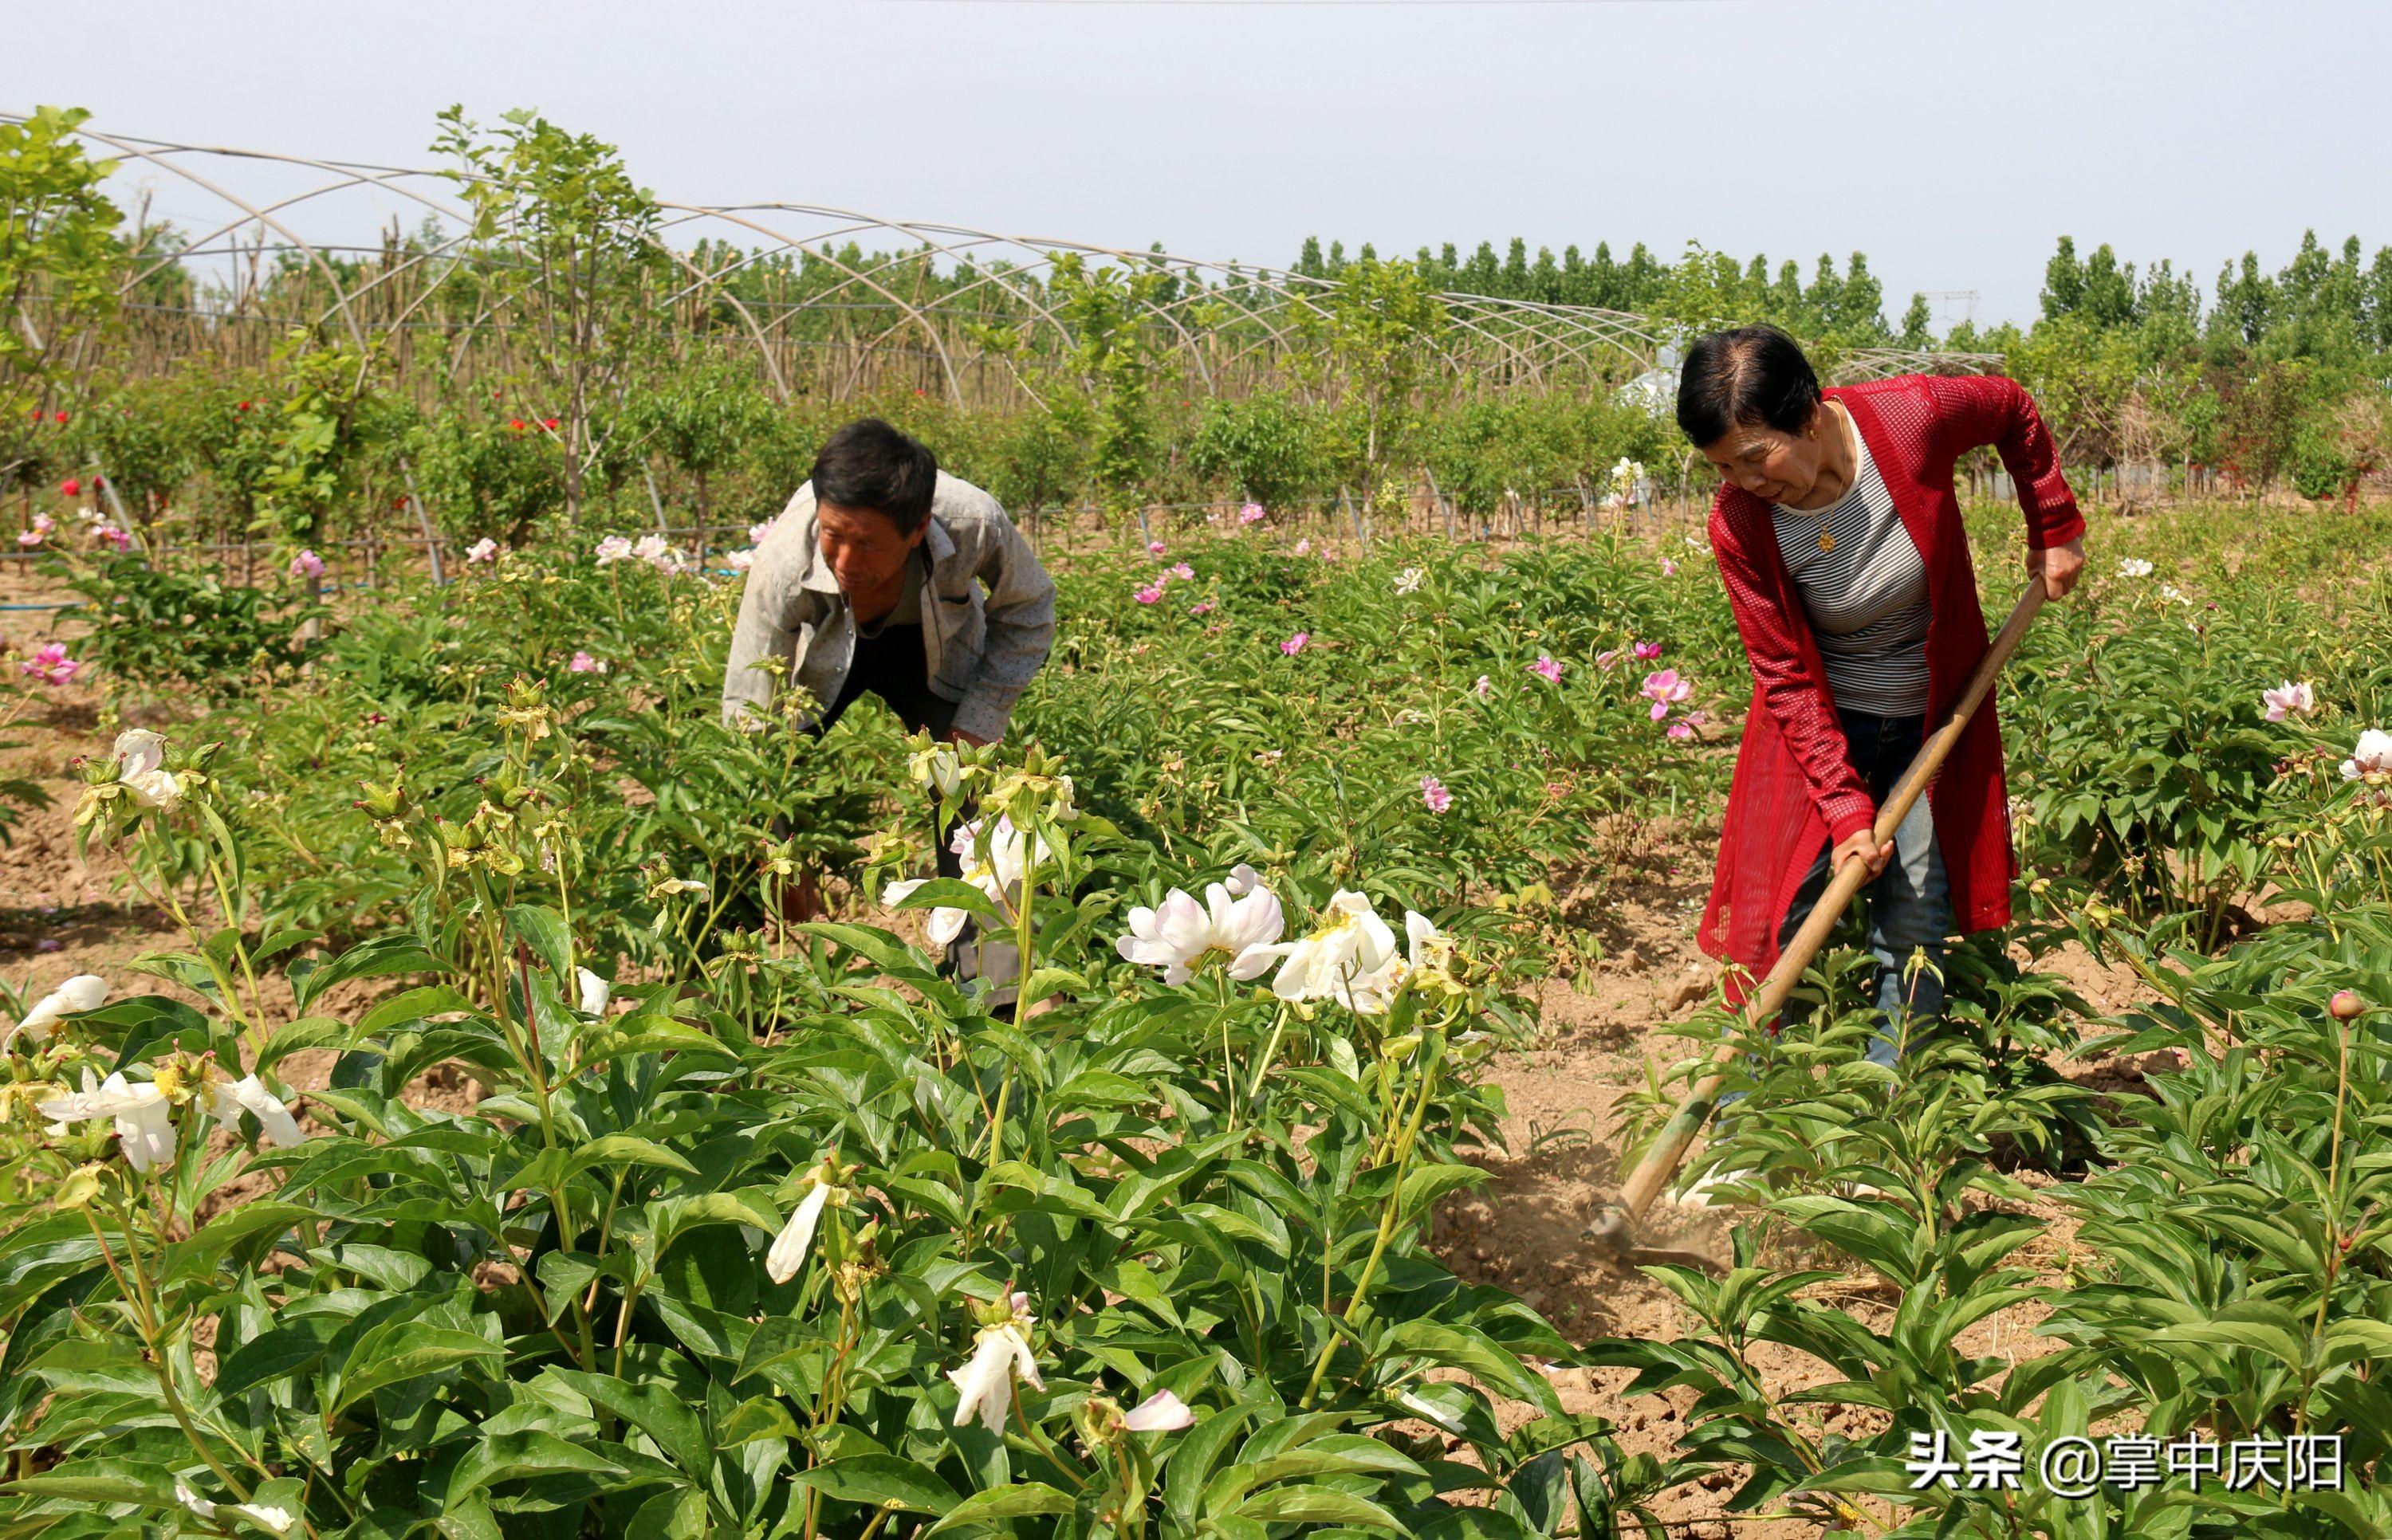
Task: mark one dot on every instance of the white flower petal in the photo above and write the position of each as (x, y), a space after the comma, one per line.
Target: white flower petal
(797, 1238)
(1161, 1412)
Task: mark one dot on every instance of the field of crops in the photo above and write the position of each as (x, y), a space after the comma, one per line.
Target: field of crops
(447, 1139)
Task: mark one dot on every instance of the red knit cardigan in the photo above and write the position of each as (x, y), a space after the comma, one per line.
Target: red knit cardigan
(1793, 792)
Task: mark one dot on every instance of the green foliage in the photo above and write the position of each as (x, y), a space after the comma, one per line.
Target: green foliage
(1270, 447)
(161, 632)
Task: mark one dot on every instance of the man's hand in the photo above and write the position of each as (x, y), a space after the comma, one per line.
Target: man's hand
(2060, 566)
(958, 735)
(1861, 846)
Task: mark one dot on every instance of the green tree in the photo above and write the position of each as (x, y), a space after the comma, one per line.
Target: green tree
(60, 259)
(1370, 349)
(571, 253)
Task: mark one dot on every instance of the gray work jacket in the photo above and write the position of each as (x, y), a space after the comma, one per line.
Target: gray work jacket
(982, 649)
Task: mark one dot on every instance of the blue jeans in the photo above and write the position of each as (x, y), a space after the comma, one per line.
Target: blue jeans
(1909, 905)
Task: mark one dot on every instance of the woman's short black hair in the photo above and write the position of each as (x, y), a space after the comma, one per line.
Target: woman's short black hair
(870, 464)
(1755, 375)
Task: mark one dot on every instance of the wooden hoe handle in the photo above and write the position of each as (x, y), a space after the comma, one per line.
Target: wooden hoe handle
(1614, 1221)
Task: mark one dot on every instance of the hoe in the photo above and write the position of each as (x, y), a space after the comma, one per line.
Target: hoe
(1613, 1226)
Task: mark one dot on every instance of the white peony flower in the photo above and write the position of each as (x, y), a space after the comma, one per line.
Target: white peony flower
(1409, 580)
(2133, 567)
(595, 992)
(788, 1256)
(229, 1099)
(145, 1118)
(141, 769)
(1161, 1412)
(84, 991)
(1349, 958)
(1179, 935)
(945, 924)
(613, 548)
(2372, 754)
(985, 1386)
(1242, 879)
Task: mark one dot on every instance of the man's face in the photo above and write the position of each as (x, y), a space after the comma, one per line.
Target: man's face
(862, 546)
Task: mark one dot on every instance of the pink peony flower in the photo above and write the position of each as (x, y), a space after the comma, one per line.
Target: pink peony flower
(584, 664)
(1481, 688)
(1604, 660)
(1203, 608)
(1646, 650)
(1547, 668)
(306, 565)
(114, 539)
(1296, 644)
(482, 550)
(741, 561)
(1665, 690)
(756, 533)
(50, 665)
(1251, 514)
(1669, 568)
(2291, 700)
(30, 539)
(1184, 572)
(1304, 547)
(44, 524)
(1150, 593)
(1681, 730)
(1434, 794)
(1154, 548)
(613, 548)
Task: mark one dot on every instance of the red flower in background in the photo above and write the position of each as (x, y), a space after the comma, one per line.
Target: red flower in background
(515, 422)
(69, 487)
(243, 407)
(62, 417)
(549, 423)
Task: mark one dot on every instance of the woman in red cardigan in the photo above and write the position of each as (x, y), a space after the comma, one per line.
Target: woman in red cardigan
(1839, 537)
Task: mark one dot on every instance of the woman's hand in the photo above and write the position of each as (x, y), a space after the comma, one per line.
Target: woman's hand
(2060, 566)
(1861, 846)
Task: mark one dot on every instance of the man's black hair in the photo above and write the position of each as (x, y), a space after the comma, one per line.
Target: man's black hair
(1753, 376)
(870, 464)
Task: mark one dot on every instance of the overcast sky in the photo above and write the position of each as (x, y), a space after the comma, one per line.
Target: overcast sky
(1951, 142)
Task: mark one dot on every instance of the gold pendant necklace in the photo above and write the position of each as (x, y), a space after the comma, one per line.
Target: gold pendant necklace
(1826, 541)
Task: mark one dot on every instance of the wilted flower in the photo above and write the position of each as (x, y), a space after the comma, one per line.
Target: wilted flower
(227, 1099)
(1482, 687)
(141, 761)
(306, 565)
(2133, 567)
(1180, 936)
(145, 1118)
(1251, 513)
(483, 550)
(1296, 644)
(278, 1520)
(1546, 668)
(1409, 580)
(1433, 792)
(1304, 547)
(84, 991)
(1665, 689)
(985, 1386)
(614, 548)
(667, 888)
(2291, 700)
(788, 1256)
(1159, 1413)
(2373, 757)
(1201, 607)
(1684, 726)
(2174, 595)
(584, 664)
(50, 665)
(595, 992)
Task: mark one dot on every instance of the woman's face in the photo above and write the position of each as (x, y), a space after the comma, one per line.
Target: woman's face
(1773, 466)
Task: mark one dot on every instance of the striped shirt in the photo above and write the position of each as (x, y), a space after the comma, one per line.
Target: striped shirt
(1865, 595)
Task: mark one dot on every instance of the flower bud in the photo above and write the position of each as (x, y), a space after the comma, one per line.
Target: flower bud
(2345, 1006)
